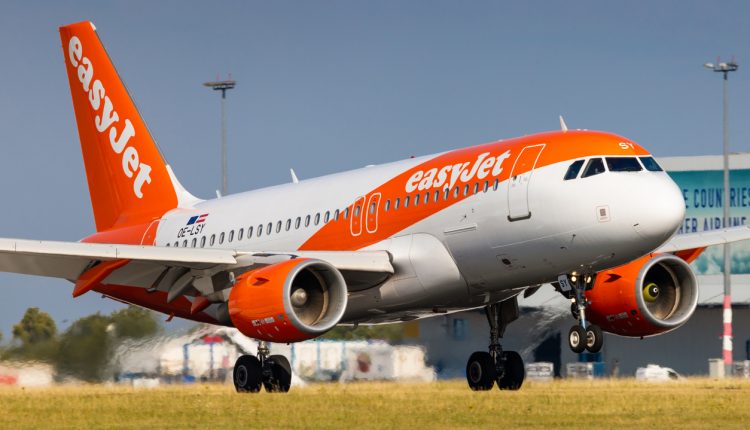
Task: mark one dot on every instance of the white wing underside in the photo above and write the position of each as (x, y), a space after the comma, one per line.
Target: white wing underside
(149, 264)
(705, 238)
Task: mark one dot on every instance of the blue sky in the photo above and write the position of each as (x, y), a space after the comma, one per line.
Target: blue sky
(333, 85)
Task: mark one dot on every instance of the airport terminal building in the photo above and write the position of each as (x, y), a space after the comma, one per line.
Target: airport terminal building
(540, 333)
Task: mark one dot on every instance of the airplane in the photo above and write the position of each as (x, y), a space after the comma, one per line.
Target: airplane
(591, 213)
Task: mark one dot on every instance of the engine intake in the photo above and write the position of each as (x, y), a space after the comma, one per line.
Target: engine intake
(649, 296)
(290, 301)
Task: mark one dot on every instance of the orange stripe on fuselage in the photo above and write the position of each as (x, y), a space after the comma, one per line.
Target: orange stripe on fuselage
(559, 146)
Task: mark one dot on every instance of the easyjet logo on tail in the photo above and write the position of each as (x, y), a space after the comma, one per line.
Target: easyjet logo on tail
(107, 118)
(448, 175)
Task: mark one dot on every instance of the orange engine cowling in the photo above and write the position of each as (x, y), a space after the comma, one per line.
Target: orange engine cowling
(649, 296)
(291, 301)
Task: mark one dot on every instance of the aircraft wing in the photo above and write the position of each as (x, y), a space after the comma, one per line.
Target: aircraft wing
(169, 269)
(703, 239)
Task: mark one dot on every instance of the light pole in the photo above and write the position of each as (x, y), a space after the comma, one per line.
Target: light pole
(223, 86)
(724, 69)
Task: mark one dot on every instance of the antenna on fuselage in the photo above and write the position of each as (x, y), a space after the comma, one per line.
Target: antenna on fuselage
(294, 176)
(563, 126)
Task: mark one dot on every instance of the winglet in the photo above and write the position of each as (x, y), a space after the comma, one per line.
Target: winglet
(294, 176)
(563, 126)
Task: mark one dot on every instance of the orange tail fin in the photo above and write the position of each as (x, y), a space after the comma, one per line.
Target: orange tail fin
(128, 180)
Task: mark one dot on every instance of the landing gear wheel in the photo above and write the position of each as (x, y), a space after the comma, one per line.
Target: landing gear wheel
(513, 374)
(577, 339)
(247, 374)
(594, 338)
(480, 371)
(278, 378)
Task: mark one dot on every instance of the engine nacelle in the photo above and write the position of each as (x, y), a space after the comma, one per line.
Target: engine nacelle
(649, 296)
(291, 301)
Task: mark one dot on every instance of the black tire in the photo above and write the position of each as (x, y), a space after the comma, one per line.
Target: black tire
(480, 371)
(577, 339)
(594, 338)
(514, 372)
(247, 374)
(280, 374)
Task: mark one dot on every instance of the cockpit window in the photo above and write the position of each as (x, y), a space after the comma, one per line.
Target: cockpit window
(595, 166)
(573, 170)
(650, 164)
(623, 164)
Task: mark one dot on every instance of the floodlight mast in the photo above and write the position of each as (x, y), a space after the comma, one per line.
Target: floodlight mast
(222, 86)
(725, 68)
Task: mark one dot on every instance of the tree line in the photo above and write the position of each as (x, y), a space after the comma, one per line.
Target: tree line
(84, 349)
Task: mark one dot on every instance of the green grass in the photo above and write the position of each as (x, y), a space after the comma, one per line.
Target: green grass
(698, 403)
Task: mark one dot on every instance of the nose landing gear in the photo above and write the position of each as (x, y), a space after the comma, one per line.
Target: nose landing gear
(504, 367)
(583, 336)
(273, 372)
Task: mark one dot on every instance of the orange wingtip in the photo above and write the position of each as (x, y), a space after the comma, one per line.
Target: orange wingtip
(90, 278)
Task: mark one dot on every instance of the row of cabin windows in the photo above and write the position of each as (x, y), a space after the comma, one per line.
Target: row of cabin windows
(328, 216)
(268, 228)
(435, 196)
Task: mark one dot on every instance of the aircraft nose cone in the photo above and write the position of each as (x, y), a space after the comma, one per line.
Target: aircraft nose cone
(660, 212)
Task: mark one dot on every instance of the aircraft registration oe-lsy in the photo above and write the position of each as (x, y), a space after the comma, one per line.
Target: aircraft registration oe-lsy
(592, 213)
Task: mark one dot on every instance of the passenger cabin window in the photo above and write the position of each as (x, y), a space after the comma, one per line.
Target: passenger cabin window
(193, 242)
(486, 186)
(336, 215)
(307, 220)
(497, 184)
(426, 198)
(623, 164)
(269, 227)
(184, 243)
(372, 208)
(387, 205)
(317, 218)
(297, 222)
(327, 217)
(288, 224)
(203, 241)
(416, 200)
(260, 230)
(476, 187)
(176, 244)
(240, 234)
(650, 164)
(346, 213)
(278, 226)
(231, 235)
(396, 203)
(213, 239)
(249, 232)
(595, 166)
(221, 238)
(437, 196)
(573, 170)
(446, 193)
(406, 201)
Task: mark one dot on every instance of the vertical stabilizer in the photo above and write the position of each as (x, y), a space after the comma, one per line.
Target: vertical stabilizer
(128, 179)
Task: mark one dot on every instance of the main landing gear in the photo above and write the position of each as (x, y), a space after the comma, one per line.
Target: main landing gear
(504, 367)
(583, 336)
(273, 372)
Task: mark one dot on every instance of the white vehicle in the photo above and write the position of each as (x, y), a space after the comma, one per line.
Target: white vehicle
(590, 212)
(656, 373)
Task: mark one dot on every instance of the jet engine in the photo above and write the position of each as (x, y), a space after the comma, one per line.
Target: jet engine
(649, 296)
(291, 301)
